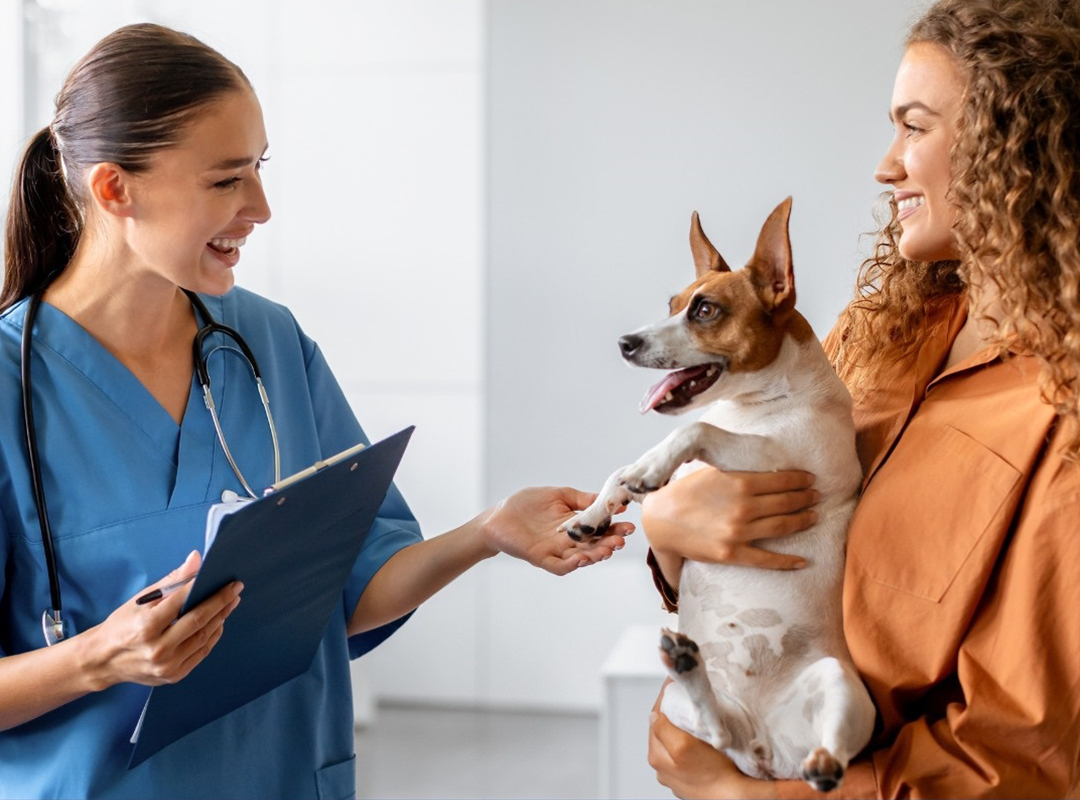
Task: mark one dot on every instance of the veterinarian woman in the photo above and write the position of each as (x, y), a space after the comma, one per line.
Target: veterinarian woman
(147, 183)
(962, 352)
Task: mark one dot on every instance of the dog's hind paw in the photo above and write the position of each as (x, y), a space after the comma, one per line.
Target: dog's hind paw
(822, 771)
(678, 652)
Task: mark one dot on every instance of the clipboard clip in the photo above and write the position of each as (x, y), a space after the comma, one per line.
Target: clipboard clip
(318, 465)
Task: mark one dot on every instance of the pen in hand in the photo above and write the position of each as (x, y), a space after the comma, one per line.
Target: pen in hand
(163, 591)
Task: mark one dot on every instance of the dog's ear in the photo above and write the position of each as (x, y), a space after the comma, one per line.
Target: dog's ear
(706, 257)
(771, 267)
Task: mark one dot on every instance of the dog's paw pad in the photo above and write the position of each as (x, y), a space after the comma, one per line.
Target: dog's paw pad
(822, 771)
(678, 652)
(580, 531)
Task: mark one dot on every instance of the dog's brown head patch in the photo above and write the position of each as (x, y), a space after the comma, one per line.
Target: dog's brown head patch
(743, 315)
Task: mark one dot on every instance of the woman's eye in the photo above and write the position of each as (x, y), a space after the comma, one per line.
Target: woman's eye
(912, 130)
(260, 162)
(228, 183)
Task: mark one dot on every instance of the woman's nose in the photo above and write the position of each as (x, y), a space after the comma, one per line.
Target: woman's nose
(891, 169)
(257, 209)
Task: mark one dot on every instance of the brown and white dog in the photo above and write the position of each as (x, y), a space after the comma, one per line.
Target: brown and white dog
(778, 692)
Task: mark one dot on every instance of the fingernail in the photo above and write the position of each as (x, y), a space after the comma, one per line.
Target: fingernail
(799, 564)
(816, 495)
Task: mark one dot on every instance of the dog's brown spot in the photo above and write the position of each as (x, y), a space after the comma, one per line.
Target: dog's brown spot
(760, 618)
(749, 312)
(717, 655)
(762, 657)
(796, 642)
(729, 629)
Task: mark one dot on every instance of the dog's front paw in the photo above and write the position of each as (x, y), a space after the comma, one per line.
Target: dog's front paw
(678, 652)
(592, 523)
(645, 475)
(822, 771)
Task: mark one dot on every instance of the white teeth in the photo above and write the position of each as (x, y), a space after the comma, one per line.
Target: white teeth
(910, 202)
(668, 397)
(712, 371)
(228, 244)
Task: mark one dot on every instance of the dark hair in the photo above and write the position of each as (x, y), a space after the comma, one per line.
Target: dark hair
(132, 95)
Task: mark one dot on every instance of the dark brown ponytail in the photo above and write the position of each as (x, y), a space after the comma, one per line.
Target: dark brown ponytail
(42, 228)
(132, 95)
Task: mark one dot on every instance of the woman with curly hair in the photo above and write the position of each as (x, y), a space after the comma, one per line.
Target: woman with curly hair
(962, 353)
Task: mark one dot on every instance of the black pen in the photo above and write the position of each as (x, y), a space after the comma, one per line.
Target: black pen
(163, 591)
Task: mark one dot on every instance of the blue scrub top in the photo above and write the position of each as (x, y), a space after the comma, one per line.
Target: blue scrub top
(127, 493)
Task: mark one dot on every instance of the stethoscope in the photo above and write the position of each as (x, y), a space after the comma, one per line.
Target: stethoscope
(53, 624)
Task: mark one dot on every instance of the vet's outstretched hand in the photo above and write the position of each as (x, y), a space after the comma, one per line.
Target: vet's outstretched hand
(525, 525)
(715, 517)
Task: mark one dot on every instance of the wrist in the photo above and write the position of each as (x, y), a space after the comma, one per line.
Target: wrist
(487, 539)
(92, 663)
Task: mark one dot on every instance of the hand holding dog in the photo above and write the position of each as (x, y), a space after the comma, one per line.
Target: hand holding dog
(691, 768)
(525, 525)
(715, 517)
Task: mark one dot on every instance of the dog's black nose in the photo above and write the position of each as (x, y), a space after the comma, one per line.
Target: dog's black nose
(629, 344)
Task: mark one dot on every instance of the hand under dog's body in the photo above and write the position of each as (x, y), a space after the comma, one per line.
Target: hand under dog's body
(759, 666)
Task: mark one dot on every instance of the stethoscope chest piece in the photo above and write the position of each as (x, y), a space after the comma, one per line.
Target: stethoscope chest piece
(54, 626)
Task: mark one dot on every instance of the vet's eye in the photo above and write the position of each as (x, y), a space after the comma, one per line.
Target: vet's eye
(706, 311)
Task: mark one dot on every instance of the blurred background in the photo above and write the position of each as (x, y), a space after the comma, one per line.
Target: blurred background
(473, 199)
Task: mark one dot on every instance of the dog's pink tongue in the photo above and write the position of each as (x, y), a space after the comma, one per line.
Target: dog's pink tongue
(671, 381)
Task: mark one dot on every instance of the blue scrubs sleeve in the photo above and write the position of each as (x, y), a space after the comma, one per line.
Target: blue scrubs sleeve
(394, 528)
(5, 565)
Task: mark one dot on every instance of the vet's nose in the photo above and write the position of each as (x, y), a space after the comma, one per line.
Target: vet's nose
(630, 344)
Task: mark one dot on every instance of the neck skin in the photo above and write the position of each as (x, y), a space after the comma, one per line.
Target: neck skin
(984, 310)
(144, 320)
(134, 313)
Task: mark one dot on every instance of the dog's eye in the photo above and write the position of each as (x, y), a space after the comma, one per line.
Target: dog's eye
(706, 311)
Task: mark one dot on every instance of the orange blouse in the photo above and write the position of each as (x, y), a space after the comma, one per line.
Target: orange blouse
(962, 587)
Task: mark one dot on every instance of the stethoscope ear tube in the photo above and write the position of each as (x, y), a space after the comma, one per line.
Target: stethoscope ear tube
(54, 616)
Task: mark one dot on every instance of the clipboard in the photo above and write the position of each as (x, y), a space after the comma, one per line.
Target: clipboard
(293, 549)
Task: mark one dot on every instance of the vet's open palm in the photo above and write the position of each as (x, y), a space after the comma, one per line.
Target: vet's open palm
(525, 525)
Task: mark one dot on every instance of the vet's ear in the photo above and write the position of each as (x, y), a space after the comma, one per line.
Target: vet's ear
(771, 267)
(109, 189)
(706, 257)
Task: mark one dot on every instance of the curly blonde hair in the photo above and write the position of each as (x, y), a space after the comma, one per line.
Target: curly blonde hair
(1016, 182)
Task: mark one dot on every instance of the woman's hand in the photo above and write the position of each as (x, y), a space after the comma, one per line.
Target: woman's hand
(716, 516)
(147, 644)
(525, 525)
(692, 768)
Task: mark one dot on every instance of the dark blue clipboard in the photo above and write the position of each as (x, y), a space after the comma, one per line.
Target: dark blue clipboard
(293, 550)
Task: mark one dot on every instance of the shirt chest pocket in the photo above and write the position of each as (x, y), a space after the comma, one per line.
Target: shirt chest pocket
(940, 504)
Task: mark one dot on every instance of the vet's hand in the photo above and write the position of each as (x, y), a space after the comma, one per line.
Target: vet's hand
(525, 525)
(691, 768)
(147, 644)
(716, 516)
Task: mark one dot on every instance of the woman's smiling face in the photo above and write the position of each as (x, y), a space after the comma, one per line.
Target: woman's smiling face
(925, 110)
(200, 199)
